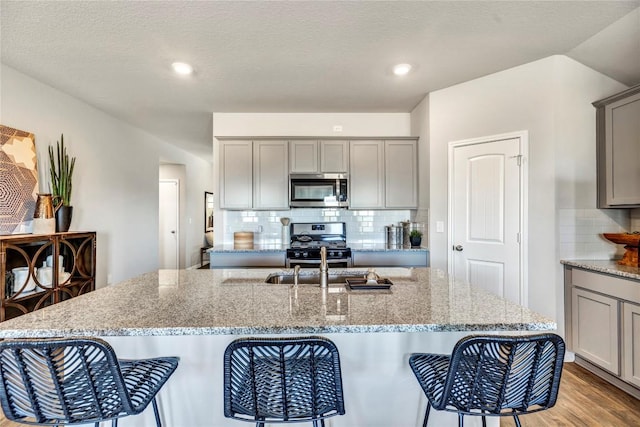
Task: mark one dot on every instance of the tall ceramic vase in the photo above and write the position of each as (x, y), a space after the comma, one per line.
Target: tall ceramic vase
(63, 218)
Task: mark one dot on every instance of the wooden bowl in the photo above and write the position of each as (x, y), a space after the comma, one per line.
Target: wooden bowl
(631, 241)
(623, 238)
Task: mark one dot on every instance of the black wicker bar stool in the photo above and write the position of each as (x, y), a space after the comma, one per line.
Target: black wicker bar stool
(282, 380)
(492, 376)
(72, 381)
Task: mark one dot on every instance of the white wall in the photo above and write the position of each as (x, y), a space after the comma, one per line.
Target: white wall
(116, 175)
(311, 124)
(549, 98)
(420, 128)
(306, 124)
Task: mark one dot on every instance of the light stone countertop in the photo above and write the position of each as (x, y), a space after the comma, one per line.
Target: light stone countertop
(277, 247)
(238, 301)
(267, 247)
(381, 247)
(605, 266)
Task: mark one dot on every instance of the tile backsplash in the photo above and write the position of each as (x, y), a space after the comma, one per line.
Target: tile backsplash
(580, 232)
(363, 226)
(634, 216)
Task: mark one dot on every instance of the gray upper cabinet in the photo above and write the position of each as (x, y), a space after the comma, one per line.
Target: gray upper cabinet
(318, 156)
(384, 174)
(270, 175)
(303, 156)
(618, 145)
(366, 177)
(254, 175)
(401, 174)
(236, 177)
(334, 156)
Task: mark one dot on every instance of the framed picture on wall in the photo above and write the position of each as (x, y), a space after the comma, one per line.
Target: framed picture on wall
(18, 180)
(208, 211)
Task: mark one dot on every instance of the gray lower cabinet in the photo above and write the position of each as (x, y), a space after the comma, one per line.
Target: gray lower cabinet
(595, 329)
(631, 344)
(602, 318)
(248, 259)
(399, 258)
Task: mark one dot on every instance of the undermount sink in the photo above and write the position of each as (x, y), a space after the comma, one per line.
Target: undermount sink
(312, 277)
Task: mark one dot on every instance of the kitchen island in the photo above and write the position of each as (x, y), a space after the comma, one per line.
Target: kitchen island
(194, 314)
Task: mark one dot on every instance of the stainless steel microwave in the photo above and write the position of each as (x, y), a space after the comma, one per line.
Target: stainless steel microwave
(327, 190)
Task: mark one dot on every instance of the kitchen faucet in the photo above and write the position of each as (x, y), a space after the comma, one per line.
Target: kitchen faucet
(324, 268)
(296, 274)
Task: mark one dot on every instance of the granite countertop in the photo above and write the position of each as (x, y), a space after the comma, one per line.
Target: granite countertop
(605, 266)
(380, 247)
(276, 247)
(264, 247)
(229, 301)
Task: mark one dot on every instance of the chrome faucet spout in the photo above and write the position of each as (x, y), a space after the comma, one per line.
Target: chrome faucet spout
(324, 268)
(296, 274)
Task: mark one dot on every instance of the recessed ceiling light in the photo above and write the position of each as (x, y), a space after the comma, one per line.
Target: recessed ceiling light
(182, 68)
(401, 69)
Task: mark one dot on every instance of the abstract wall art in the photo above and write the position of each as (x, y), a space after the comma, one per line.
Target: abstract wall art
(18, 180)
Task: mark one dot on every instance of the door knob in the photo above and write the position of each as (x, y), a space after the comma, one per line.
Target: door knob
(458, 248)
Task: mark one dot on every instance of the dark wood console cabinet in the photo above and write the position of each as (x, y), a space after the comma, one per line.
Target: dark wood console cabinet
(71, 254)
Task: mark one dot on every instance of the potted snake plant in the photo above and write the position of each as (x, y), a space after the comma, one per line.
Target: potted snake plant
(61, 170)
(416, 238)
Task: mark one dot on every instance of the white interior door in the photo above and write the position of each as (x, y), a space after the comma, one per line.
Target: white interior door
(486, 215)
(168, 221)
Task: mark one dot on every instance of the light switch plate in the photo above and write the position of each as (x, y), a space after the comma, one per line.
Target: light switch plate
(440, 226)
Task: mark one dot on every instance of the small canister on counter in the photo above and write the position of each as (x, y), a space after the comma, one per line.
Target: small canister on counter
(394, 237)
(406, 229)
(243, 240)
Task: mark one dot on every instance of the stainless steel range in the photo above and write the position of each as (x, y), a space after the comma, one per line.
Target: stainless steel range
(308, 238)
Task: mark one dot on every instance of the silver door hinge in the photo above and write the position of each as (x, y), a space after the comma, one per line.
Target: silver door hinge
(518, 159)
(518, 237)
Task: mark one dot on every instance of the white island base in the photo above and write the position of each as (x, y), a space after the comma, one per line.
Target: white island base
(379, 388)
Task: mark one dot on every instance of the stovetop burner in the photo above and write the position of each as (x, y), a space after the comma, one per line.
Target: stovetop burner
(318, 244)
(306, 235)
(308, 238)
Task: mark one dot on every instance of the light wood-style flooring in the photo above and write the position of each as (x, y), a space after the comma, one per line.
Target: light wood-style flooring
(584, 400)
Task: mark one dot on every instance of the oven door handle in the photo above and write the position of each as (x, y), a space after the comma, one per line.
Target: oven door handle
(348, 263)
(317, 261)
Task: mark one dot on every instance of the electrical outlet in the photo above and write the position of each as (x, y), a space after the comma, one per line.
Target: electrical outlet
(337, 128)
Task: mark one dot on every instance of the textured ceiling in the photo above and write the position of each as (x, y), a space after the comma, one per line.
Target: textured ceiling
(313, 56)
